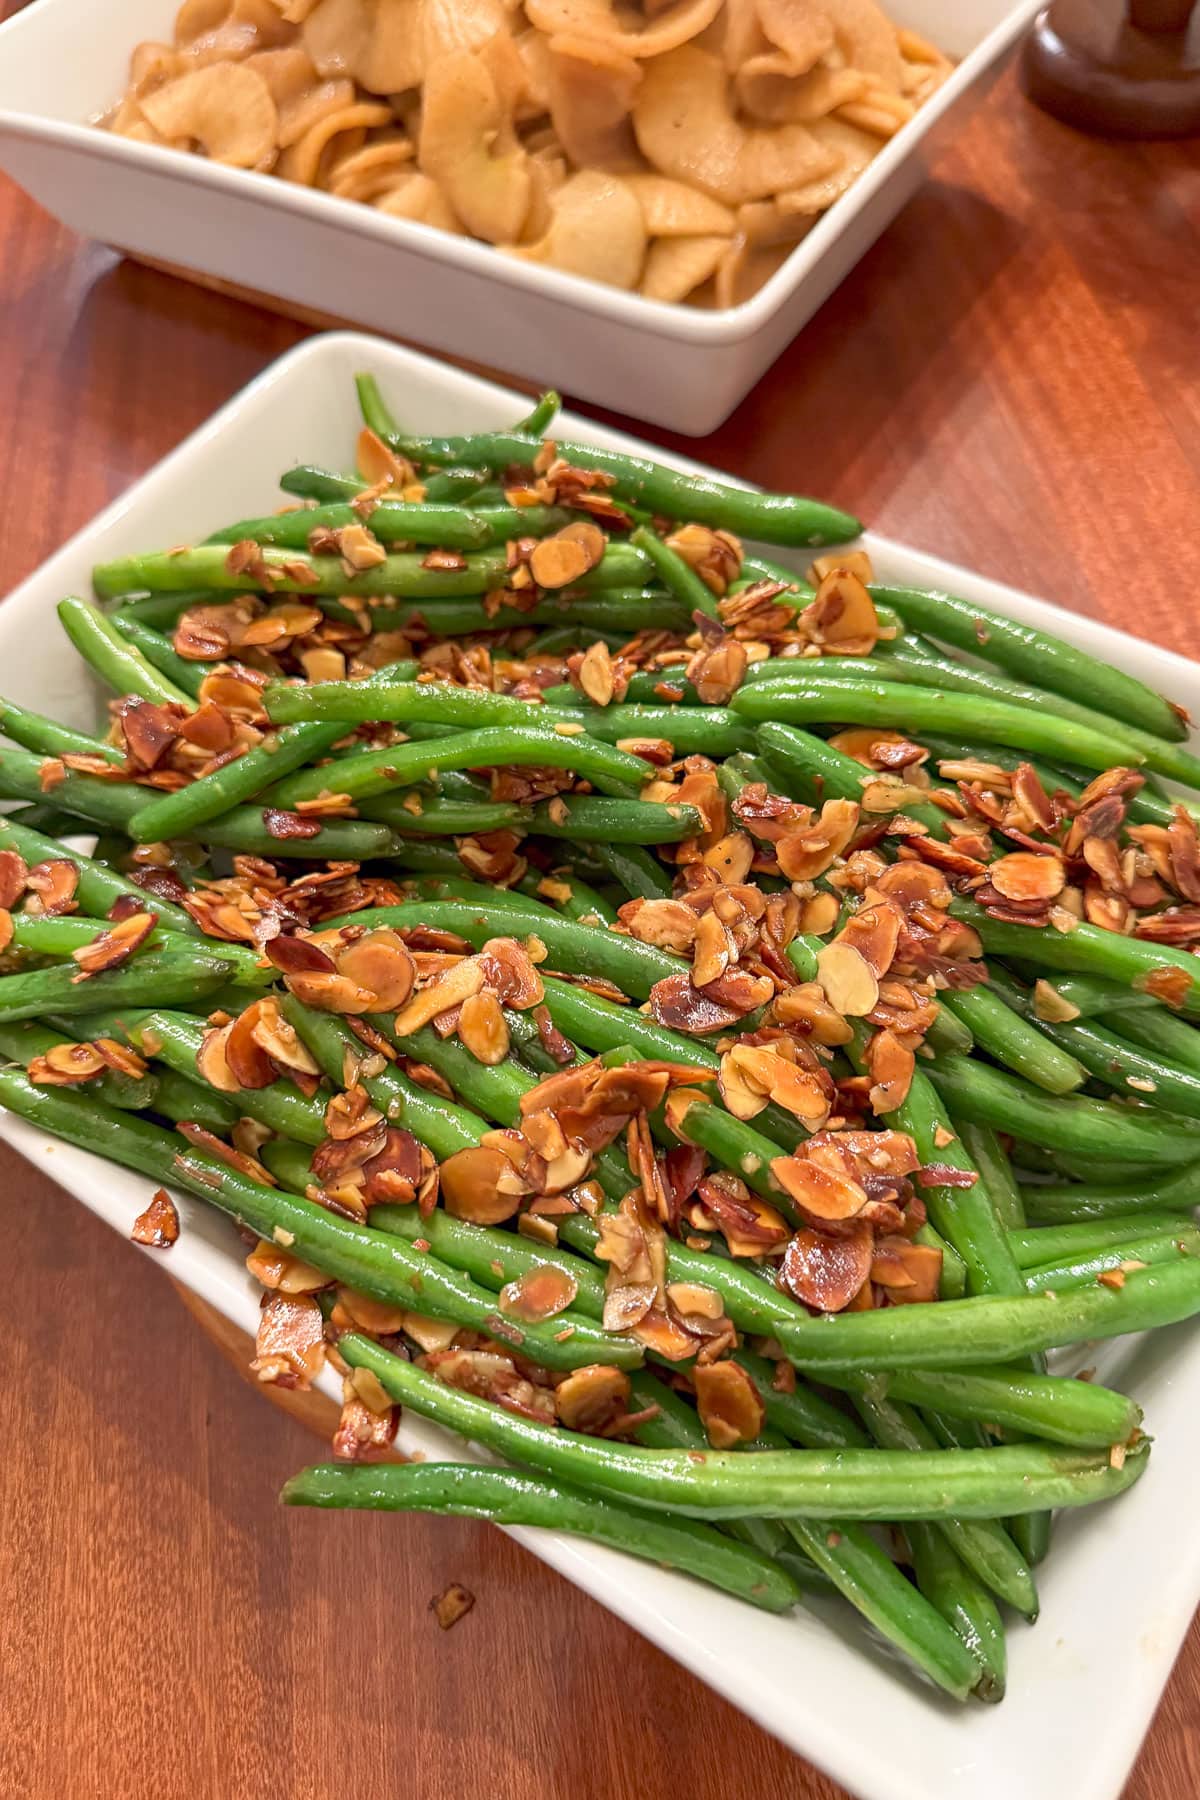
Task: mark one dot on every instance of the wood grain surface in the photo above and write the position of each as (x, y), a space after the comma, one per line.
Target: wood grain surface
(1010, 379)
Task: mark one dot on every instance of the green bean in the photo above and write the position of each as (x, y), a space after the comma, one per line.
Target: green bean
(1091, 994)
(613, 609)
(1057, 1408)
(644, 688)
(390, 521)
(588, 949)
(984, 1545)
(307, 482)
(887, 703)
(376, 414)
(964, 1603)
(245, 829)
(442, 1125)
(164, 610)
(988, 1096)
(1039, 1244)
(1035, 656)
(807, 768)
(29, 1038)
(992, 1328)
(511, 1497)
(99, 887)
(582, 902)
(177, 1097)
(179, 974)
(490, 1256)
(735, 1145)
(768, 518)
(159, 651)
(580, 818)
(559, 640)
(676, 575)
(175, 1038)
(387, 1268)
(856, 1484)
(48, 738)
(1087, 950)
(48, 934)
(115, 661)
(642, 876)
(1035, 1053)
(1128, 741)
(1127, 1069)
(1157, 1030)
(691, 730)
(987, 1154)
(403, 575)
(103, 802)
(1144, 1252)
(1051, 1204)
(178, 814)
(365, 773)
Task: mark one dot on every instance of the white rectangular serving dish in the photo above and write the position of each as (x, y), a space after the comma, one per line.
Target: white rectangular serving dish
(63, 62)
(1122, 1581)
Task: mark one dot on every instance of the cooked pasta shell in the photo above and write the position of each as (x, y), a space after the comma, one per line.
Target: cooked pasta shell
(591, 93)
(379, 42)
(307, 160)
(771, 89)
(598, 19)
(673, 209)
(686, 127)
(676, 266)
(468, 146)
(419, 198)
(854, 149)
(225, 108)
(595, 230)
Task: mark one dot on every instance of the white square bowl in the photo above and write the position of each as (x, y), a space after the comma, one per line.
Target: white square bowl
(1122, 1581)
(63, 62)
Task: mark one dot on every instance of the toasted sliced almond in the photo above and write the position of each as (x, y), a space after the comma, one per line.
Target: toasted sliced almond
(847, 979)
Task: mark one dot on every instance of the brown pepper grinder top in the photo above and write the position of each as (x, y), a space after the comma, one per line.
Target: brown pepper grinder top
(1121, 68)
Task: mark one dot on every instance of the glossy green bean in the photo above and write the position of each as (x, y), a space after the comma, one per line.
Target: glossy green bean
(99, 887)
(642, 877)
(613, 609)
(174, 975)
(178, 814)
(1049, 1203)
(1145, 1252)
(993, 1097)
(175, 1038)
(118, 663)
(402, 575)
(855, 1484)
(964, 1603)
(390, 521)
(47, 737)
(768, 518)
(917, 709)
(1037, 1244)
(159, 651)
(1056, 1408)
(807, 768)
(1035, 656)
(1157, 1030)
(1086, 950)
(366, 773)
(676, 575)
(28, 1038)
(988, 1155)
(580, 818)
(510, 1497)
(1028, 1049)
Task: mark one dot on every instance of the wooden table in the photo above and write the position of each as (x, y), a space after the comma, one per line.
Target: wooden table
(1009, 379)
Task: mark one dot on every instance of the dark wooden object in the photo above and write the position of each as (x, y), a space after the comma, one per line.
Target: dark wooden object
(1123, 68)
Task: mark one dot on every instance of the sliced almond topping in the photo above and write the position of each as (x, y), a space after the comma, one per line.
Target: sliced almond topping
(596, 673)
(1023, 876)
(848, 981)
(472, 1185)
(116, 945)
(382, 963)
(730, 1406)
(823, 1193)
(592, 1398)
(568, 555)
(276, 1268)
(1052, 1006)
(290, 1348)
(539, 1294)
(826, 1272)
(449, 990)
(482, 1027)
(66, 1065)
(158, 1226)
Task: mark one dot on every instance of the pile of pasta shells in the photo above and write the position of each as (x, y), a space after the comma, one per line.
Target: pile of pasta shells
(677, 150)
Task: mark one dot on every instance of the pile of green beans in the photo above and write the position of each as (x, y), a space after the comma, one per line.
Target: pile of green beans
(1054, 1108)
